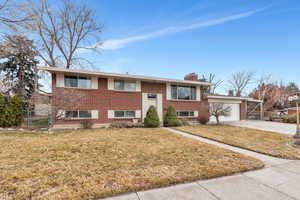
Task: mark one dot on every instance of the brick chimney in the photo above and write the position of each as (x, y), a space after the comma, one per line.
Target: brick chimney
(230, 93)
(191, 77)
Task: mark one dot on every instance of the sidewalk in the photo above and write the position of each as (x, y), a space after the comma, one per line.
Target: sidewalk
(278, 180)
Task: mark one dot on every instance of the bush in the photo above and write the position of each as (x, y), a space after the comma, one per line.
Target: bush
(290, 118)
(151, 120)
(125, 125)
(203, 119)
(87, 124)
(171, 119)
(11, 112)
(185, 122)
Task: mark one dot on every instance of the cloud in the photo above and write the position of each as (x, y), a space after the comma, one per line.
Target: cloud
(120, 43)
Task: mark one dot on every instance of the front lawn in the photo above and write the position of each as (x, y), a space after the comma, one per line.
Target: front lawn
(274, 144)
(89, 164)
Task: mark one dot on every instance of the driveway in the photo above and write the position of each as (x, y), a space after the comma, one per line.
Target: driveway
(266, 126)
(279, 180)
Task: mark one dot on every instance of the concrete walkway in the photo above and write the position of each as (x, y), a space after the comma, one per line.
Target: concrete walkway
(279, 180)
(266, 126)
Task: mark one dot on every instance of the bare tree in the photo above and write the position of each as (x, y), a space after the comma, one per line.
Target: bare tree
(239, 81)
(13, 12)
(61, 30)
(219, 109)
(211, 79)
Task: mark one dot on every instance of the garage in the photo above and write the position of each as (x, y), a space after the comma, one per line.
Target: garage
(233, 116)
(233, 104)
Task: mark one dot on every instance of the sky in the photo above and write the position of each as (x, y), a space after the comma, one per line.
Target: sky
(171, 38)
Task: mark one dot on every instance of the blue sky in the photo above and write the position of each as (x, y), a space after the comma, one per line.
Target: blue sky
(170, 38)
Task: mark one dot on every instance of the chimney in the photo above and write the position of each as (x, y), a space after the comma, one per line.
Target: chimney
(191, 77)
(230, 93)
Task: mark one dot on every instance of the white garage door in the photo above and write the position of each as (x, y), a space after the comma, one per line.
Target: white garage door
(234, 114)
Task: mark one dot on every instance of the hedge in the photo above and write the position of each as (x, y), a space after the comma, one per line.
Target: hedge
(10, 112)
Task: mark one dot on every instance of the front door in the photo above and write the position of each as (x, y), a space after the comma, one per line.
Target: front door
(152, 99)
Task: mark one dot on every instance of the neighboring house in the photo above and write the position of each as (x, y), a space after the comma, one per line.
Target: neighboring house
(292, 111)
(42, 103)
(112, 97)
(242, 108)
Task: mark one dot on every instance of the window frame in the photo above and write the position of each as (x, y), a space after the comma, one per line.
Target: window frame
(78, 78)
(78, 114)
(125, 85)
(192, 96)
(124, 114)
(187, 111)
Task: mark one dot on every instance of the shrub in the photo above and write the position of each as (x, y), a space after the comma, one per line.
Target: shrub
(151, 120)
(125, 125)
(291, 118)
(87, 124)
(11, 112)
(203, 119)
(171, 118)
(185, 122)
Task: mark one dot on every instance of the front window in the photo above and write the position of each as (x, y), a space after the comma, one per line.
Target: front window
(124, 114)
(183, 92)
(185, 114)
(125, 85)
(81, 114)
(78, 82)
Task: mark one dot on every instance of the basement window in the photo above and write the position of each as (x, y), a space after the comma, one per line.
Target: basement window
(124, 114)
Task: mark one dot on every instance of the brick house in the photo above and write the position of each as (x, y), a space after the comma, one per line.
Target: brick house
(112, 97)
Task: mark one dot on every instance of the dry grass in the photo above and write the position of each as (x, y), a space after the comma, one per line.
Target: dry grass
(269, 143)
(98, 163)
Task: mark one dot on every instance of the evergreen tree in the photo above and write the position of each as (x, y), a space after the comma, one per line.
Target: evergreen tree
(19, 67)
(171, 117)
(151, 120)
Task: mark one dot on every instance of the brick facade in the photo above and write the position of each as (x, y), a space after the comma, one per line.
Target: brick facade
(102, 99)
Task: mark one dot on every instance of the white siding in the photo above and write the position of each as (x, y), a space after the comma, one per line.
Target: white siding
(198, 93)
(110, 84)
(60, 80)
(110, 114)
(95, 114)
(94, 82)
(168, 88)
(138, 114)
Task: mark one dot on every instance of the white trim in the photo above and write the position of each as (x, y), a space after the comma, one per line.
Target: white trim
(198, 93)
(95, 114)
(110, 84)
(138, 86)
(115, 75)
(168, 91)
(60, 80)
(110, 114)
(196, 113)
(138, 114)
(235, 98)
(224, 101)
(94, 82)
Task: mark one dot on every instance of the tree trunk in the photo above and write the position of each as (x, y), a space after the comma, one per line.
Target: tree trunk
(217, 118)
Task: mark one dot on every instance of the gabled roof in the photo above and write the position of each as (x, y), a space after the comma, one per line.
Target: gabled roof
(116, 75)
